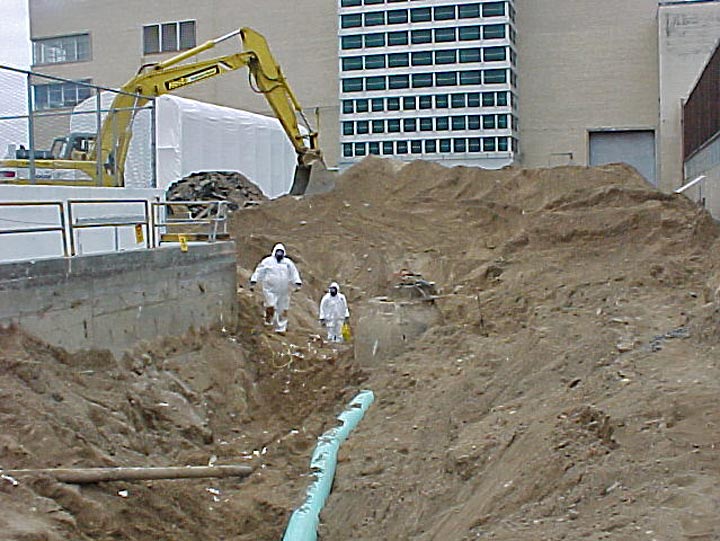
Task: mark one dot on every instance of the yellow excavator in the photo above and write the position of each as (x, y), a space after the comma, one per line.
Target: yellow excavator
(79, 151)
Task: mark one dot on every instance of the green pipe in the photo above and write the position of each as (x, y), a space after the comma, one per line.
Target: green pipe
(305, 519)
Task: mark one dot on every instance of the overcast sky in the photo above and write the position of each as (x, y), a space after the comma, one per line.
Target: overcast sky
(15, 49)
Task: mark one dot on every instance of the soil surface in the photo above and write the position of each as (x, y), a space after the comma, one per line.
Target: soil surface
(561, 382)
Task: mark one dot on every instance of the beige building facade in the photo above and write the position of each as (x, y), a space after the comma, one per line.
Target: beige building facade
(596, 81)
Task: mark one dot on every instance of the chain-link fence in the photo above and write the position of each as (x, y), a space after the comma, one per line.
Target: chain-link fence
(60, 131)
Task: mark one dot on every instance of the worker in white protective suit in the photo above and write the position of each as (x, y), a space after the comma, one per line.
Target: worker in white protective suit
(277, 274)
(334, 312)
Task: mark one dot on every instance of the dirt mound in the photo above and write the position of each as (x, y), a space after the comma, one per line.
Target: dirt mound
(208, 398)
(561, 383)
(554, 398)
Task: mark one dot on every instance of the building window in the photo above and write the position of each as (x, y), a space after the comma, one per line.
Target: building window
(458, 123)
(495, 54)
(360, 149)
(409, 103)
(493, 9)
(445, 57)
(352, 63)
(377, 104)
(59, 95)
(351, 42)
(495, 76)
(457, 101)
(422, 58)
(473, 99)
(397, 16)
(430, 146)
(351, 21)
(502, 122)
(347, 150)
(347, 106)
(375, 40)
(488, 144)
(348, 128)
(445, 35)
(471, 77)
(374, 148)
(444, 145)
(409, 125)
(378, 126)
(422, 80)
(421, 36)
(363, 127)
(488, 122)
(402, 147)
(370, 2)
(361, 106)
(488, 99)
(398, 60)
(416, 147)
(502, 144)
(469, 33)
(397, 38)
(393, 125)
(388, 147)
(470, 55)
(399, 81)
(441, 101)
(442, 123)
(494, 31)
(444, 13)
(419, 15)
(350, 3)
(473, 122)
(393, 104)
(375, 61)
(425, 102)
(459, 145)
(474, 144)
(375, 18)
(468, 11)
(74, 48)
(446, 78)
(352, 85)
(426, 124)
(376, 83)
(167, 37)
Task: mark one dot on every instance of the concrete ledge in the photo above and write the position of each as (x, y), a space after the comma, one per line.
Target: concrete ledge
(112, 301)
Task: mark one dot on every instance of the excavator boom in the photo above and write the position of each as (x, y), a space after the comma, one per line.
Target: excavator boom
(266, 78)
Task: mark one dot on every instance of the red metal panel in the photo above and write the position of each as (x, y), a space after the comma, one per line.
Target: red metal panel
(701, 112)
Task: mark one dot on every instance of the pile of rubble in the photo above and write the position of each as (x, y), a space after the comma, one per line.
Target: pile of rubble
(217, 186)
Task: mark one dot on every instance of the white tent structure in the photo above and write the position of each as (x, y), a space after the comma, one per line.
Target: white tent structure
(193, 137)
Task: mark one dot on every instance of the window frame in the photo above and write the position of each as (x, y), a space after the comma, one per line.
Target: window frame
(41, 48)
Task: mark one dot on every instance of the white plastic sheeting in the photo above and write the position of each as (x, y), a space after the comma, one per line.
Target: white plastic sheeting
(193, 137)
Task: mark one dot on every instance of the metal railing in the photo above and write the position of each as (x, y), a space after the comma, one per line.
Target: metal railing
(700, 182)
(38, 227)
(149, 224)
(112, 221)
(213, 214)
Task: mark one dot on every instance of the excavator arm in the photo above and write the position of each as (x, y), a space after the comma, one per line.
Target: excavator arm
(266, 78)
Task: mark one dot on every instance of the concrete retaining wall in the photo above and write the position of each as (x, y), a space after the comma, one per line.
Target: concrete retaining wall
(112, 301)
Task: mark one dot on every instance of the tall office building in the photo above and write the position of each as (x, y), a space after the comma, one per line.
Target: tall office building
(428, 79)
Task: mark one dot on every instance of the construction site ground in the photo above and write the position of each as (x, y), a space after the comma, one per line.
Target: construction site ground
(563, 385)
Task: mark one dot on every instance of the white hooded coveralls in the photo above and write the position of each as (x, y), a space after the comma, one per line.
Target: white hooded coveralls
(334, 310)
(276, 279)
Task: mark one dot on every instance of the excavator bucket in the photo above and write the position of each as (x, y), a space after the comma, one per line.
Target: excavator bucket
(313, 178)
(301, 179)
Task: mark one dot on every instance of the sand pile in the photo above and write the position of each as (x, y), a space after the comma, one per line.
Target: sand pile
(562, 384)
